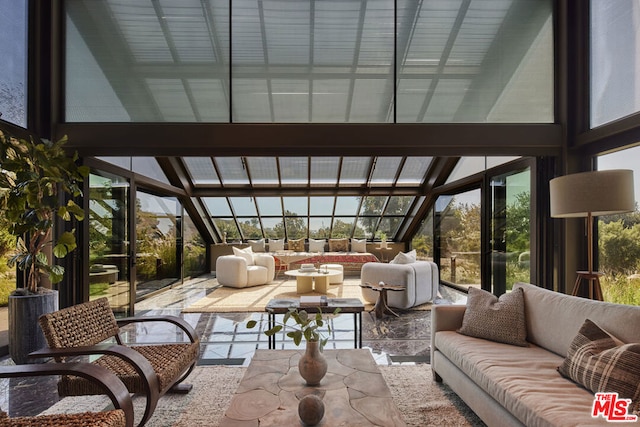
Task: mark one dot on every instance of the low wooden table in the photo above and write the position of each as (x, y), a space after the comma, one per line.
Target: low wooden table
(353, 391)
(305, 280)
(381, 308)
(346, 305)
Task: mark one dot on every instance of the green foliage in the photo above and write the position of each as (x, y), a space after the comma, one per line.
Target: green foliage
(619, 247)
(621, 289)
(308, 326)
(7, 286)
(33, 174)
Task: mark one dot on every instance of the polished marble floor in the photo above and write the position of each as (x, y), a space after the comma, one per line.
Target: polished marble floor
(225, 340)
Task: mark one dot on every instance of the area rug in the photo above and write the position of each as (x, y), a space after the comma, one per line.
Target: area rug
(421, 401)
(255, 299)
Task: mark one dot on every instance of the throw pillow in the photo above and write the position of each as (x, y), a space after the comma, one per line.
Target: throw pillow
(245, 253)
(257, 245)
(495, 319)
(296, 245)
(600, 364)
(316, 245)
(338, 245)
(359, 245)
(405, 258)
(276, 245)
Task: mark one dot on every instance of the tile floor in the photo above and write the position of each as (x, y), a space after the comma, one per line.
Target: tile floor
(226, 340)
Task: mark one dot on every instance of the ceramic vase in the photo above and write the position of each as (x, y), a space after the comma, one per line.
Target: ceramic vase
(312, 364)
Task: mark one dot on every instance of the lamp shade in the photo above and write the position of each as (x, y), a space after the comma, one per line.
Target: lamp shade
(597, 193)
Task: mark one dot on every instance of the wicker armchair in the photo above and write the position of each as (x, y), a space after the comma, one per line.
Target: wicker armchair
(120, 416)
(149, 369)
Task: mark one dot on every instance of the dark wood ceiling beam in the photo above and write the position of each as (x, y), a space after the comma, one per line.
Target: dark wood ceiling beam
(224, 139)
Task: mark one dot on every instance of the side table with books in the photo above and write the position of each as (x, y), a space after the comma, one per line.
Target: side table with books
(327, 305)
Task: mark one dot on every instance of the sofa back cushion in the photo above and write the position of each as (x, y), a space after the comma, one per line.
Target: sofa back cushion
(554, 319)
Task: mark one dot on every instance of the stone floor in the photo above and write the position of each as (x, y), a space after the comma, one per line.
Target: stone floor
(226, 340)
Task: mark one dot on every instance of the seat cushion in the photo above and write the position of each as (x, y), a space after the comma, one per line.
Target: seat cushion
(169, 362)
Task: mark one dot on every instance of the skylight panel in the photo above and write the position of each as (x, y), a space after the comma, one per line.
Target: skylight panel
(354, 170)
(414, 171)
(243, 206)
(232, 170)
(324, 170)
(269, 206)
(217, 206)
(294, 170)
(321, 205)
(385, 170)
(263, 170)
(201, 170)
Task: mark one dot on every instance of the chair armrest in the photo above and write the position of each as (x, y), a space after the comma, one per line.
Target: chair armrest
(446, 317)
(114, 388)
(141, 365)
(178, 321)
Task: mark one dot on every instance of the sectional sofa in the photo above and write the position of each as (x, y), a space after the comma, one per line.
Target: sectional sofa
(517, 385)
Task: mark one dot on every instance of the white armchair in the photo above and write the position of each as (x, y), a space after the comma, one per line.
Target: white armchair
(420, 278)
(243, 271)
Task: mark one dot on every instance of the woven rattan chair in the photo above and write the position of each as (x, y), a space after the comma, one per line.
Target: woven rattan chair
(120, 416)
(149, 369)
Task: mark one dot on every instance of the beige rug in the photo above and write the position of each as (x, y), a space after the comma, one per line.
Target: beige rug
(421, 401)
(255, 299)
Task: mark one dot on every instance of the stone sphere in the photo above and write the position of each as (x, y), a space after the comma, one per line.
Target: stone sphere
(311, 410)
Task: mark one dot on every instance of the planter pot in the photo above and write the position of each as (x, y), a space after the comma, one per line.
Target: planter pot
(312, 365)
(25, 334)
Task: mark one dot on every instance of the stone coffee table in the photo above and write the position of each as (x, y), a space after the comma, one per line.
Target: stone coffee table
(354, 392)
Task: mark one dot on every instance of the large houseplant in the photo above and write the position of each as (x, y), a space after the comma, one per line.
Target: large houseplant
(34, 177)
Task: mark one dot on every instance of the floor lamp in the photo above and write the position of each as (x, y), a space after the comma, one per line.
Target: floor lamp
(590, 194)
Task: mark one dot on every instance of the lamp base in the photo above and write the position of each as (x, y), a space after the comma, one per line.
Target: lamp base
(593, 283)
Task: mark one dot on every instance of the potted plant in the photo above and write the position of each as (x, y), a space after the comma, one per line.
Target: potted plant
(312, 364)
(34, 175)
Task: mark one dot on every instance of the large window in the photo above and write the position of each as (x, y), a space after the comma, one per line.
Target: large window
(615, 52)
(457, 240)
(13, 51)
(619, 238)
(309, 61)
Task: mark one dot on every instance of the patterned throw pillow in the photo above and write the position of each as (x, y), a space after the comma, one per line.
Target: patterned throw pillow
(296, 245)
(495, 319)
(338, 245)
(600, 364)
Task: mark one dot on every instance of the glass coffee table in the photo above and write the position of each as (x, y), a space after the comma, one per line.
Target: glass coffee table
(346, 305)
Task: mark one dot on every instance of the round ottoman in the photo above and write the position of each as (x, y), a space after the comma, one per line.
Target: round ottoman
(334, 279)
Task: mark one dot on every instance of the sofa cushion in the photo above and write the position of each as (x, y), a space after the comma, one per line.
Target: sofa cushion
(524, 380)
(296, 245)
(496, 319)
(245, 253)
(338, 245)
(316, 245)
(359, 245)
(600, 363)
(257, 245)
(276, 245)
(405, 258)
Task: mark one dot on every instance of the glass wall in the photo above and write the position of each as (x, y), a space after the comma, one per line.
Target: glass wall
(109, 249)
(510, 230)
(619, 238)
(158, 232)
(457, 238)
(194, 249)
(615, 52)
(13, 51)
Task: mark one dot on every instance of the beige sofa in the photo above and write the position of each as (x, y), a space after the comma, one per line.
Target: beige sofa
(511, 385)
